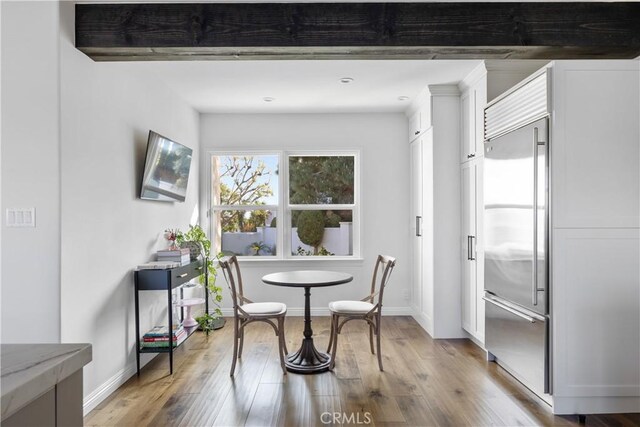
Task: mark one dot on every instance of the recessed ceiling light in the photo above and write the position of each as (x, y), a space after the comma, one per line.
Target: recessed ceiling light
(346, 80)
(268, 99)
(403, 98)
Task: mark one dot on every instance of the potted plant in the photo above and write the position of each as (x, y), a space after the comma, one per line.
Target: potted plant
(196, 236)
(260, 247)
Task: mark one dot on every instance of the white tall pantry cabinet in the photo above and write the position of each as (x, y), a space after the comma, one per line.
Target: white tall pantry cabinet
(435, 212)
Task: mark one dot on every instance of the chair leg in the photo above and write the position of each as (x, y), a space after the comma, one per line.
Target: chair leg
(334, 341)
(330, 334)
(235, 345)
(378, 339)
(371, 338)
(241, 340)
(284, 341)
(281, 344)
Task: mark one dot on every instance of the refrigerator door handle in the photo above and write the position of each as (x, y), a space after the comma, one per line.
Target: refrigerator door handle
(510, 310)
(534, 285)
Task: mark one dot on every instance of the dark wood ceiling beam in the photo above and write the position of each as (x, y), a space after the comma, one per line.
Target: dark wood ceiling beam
(167, 31)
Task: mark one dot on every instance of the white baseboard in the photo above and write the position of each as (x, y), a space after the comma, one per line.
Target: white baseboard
(324, 311)
(596, 405)
(479, 341)
(424, 321)
(105, 389)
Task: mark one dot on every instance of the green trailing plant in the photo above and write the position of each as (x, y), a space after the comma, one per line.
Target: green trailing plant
(207, 322)
(196, 234)
(311, 228)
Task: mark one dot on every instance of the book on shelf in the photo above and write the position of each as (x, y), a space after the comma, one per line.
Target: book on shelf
(161, 344)
(159, 265)
(178, 252)
(176, 337)
(163, 331)
(182, 259)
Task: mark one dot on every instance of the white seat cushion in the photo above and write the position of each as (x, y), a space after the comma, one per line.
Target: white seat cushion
(264, 308)
(350, 307)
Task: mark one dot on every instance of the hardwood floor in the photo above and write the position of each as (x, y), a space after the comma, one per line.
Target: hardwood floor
(425, 383)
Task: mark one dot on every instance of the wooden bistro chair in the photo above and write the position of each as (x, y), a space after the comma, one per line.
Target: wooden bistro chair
(365, 309)
(246, 311)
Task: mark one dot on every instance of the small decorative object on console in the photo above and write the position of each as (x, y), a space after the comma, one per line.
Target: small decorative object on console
(171, 235)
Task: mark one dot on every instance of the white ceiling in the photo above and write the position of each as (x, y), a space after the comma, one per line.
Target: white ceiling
(303, 86)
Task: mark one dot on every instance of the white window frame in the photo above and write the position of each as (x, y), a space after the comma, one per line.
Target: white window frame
(283, 209)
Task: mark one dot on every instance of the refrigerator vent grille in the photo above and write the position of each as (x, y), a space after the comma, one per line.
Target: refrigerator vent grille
(517, 108)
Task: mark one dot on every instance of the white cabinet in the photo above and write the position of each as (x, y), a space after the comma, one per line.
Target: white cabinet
(419, 122)
(595, 239)
(471, 249)
(435, 217)
(472, 103)
(416, 221)
(467, 118)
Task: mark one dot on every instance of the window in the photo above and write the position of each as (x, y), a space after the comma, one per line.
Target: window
(285, 205)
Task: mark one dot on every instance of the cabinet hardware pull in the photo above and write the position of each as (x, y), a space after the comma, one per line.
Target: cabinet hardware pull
(418, 227)
(471, 250)
(471, 156)
(183, 275)
(416, 132)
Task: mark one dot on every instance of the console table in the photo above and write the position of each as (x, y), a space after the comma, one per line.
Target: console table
(166, 280)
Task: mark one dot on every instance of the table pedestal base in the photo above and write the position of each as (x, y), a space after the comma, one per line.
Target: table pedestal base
(307, 360)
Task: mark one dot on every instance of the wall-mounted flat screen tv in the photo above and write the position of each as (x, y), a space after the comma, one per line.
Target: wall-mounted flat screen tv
(166, 170)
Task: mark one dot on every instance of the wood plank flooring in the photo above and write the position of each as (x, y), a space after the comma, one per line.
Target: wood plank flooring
(425, 383)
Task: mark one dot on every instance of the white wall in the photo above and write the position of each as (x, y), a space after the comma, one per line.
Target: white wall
(107, 110)
(381, 139)
(31, 171)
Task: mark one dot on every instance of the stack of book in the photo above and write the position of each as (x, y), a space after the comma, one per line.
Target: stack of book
(158, 265)
(181, 255)
(158, 336)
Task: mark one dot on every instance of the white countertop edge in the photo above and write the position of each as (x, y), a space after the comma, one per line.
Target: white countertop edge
(38, 368)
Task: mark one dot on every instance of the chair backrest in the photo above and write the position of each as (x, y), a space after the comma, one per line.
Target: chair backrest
(381, 274)
(231, 270)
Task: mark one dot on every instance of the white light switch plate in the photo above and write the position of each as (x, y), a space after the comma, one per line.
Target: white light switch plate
(21, 217)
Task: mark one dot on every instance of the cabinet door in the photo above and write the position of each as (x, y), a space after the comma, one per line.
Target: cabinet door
(468, 120)
(414, 126)
(416, 224)
(468, 245)
(480, 101)
(479, 248)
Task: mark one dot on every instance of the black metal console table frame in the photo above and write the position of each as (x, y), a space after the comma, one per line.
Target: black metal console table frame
(166, 280)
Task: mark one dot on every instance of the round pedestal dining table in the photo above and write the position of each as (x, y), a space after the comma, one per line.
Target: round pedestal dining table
(307, 359)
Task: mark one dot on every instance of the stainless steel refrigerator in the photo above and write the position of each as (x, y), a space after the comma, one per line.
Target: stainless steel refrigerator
(516, 216)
